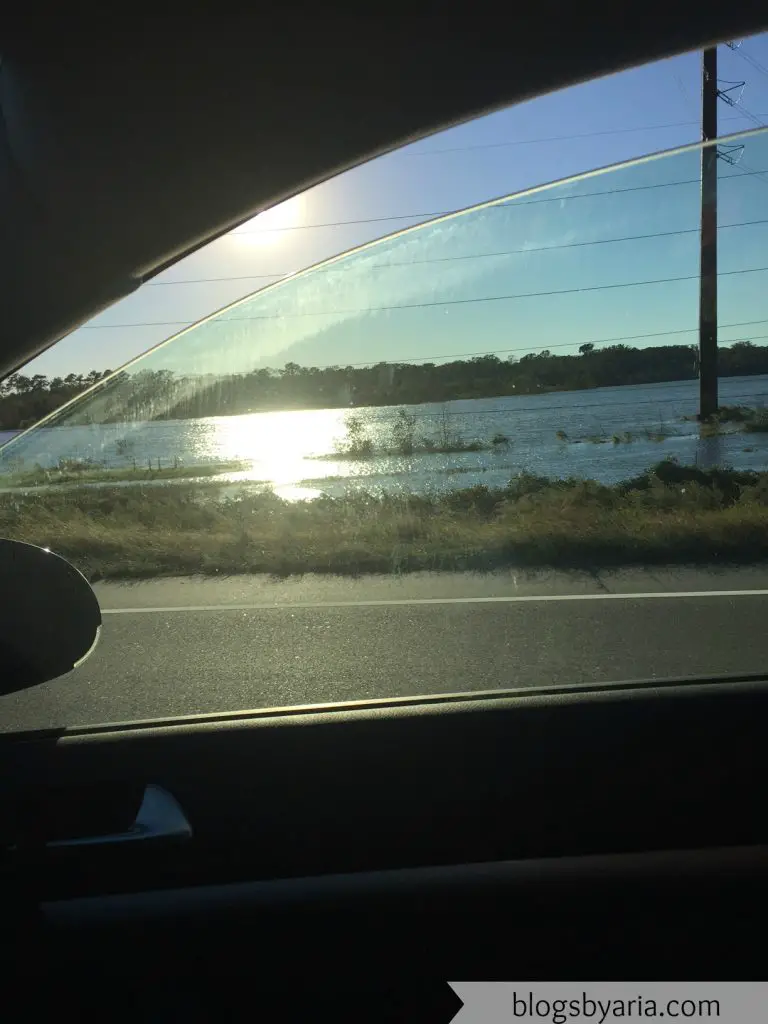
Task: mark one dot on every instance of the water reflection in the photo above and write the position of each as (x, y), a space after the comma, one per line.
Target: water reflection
(711, 452)
(297, 453)
(277, 445)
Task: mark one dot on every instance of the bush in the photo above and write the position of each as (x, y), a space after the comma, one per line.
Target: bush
(670, 473)
(758, 424)
(733, 414)
(479, 499)
(76, 465)
(402, 432)
(670, 513)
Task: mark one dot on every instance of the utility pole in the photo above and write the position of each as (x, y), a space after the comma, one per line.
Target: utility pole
(708, 267)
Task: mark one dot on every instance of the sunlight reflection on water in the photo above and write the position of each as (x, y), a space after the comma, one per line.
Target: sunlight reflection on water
(297, 452)
(278, 444)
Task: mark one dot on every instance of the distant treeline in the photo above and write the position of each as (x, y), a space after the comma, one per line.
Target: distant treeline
(25, 400)
(161, 394)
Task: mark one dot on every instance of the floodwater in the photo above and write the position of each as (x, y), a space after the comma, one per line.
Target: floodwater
(555, 434)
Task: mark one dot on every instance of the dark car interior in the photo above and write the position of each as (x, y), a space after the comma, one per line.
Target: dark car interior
(349, 858)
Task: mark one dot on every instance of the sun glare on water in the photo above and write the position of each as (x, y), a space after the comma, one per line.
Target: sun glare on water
(280, 446)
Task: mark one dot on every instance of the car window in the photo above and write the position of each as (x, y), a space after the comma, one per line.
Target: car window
(464, 456)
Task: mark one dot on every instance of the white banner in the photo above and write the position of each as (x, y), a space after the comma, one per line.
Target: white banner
(560, 1002)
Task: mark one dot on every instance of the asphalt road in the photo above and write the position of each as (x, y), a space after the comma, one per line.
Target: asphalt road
(188, 647)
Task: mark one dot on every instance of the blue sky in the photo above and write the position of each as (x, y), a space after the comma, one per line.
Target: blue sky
(589, 126)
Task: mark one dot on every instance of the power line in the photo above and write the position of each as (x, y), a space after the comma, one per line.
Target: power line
(745, 168)
(218, 321)
(750, 60)
(752, 117)
(468, 256)
(497, 352)
(758, 174)
(494, 412)
(686, 98)
(527, 348)
(544, 348)
(213, 280)
(502, 205)
(550, 138)
(554, 138)
(736, 104)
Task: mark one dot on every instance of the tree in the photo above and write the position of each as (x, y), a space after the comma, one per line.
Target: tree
(585, 349)
(20, 384)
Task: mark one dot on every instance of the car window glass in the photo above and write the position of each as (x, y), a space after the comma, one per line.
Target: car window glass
(464, 456)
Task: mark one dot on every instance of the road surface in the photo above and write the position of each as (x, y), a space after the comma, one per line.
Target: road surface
(179, 647)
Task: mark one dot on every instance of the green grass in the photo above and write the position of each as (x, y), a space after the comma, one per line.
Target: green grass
(739, 418)
(670, 514)
(397, 436)
(72, 471)
(758, 424)
(625, 437)
(427, 446)
(729, 414)
(657, 436)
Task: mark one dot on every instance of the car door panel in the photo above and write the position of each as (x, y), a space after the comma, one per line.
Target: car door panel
(404, 784)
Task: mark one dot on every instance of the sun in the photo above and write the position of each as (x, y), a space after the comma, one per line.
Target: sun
(272, 226)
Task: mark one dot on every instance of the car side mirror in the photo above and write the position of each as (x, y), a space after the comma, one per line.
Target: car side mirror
(50, 618)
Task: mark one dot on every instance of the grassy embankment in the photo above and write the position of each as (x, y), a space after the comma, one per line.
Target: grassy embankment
(669, 514)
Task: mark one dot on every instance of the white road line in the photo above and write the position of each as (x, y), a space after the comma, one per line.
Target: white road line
(398, 602)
